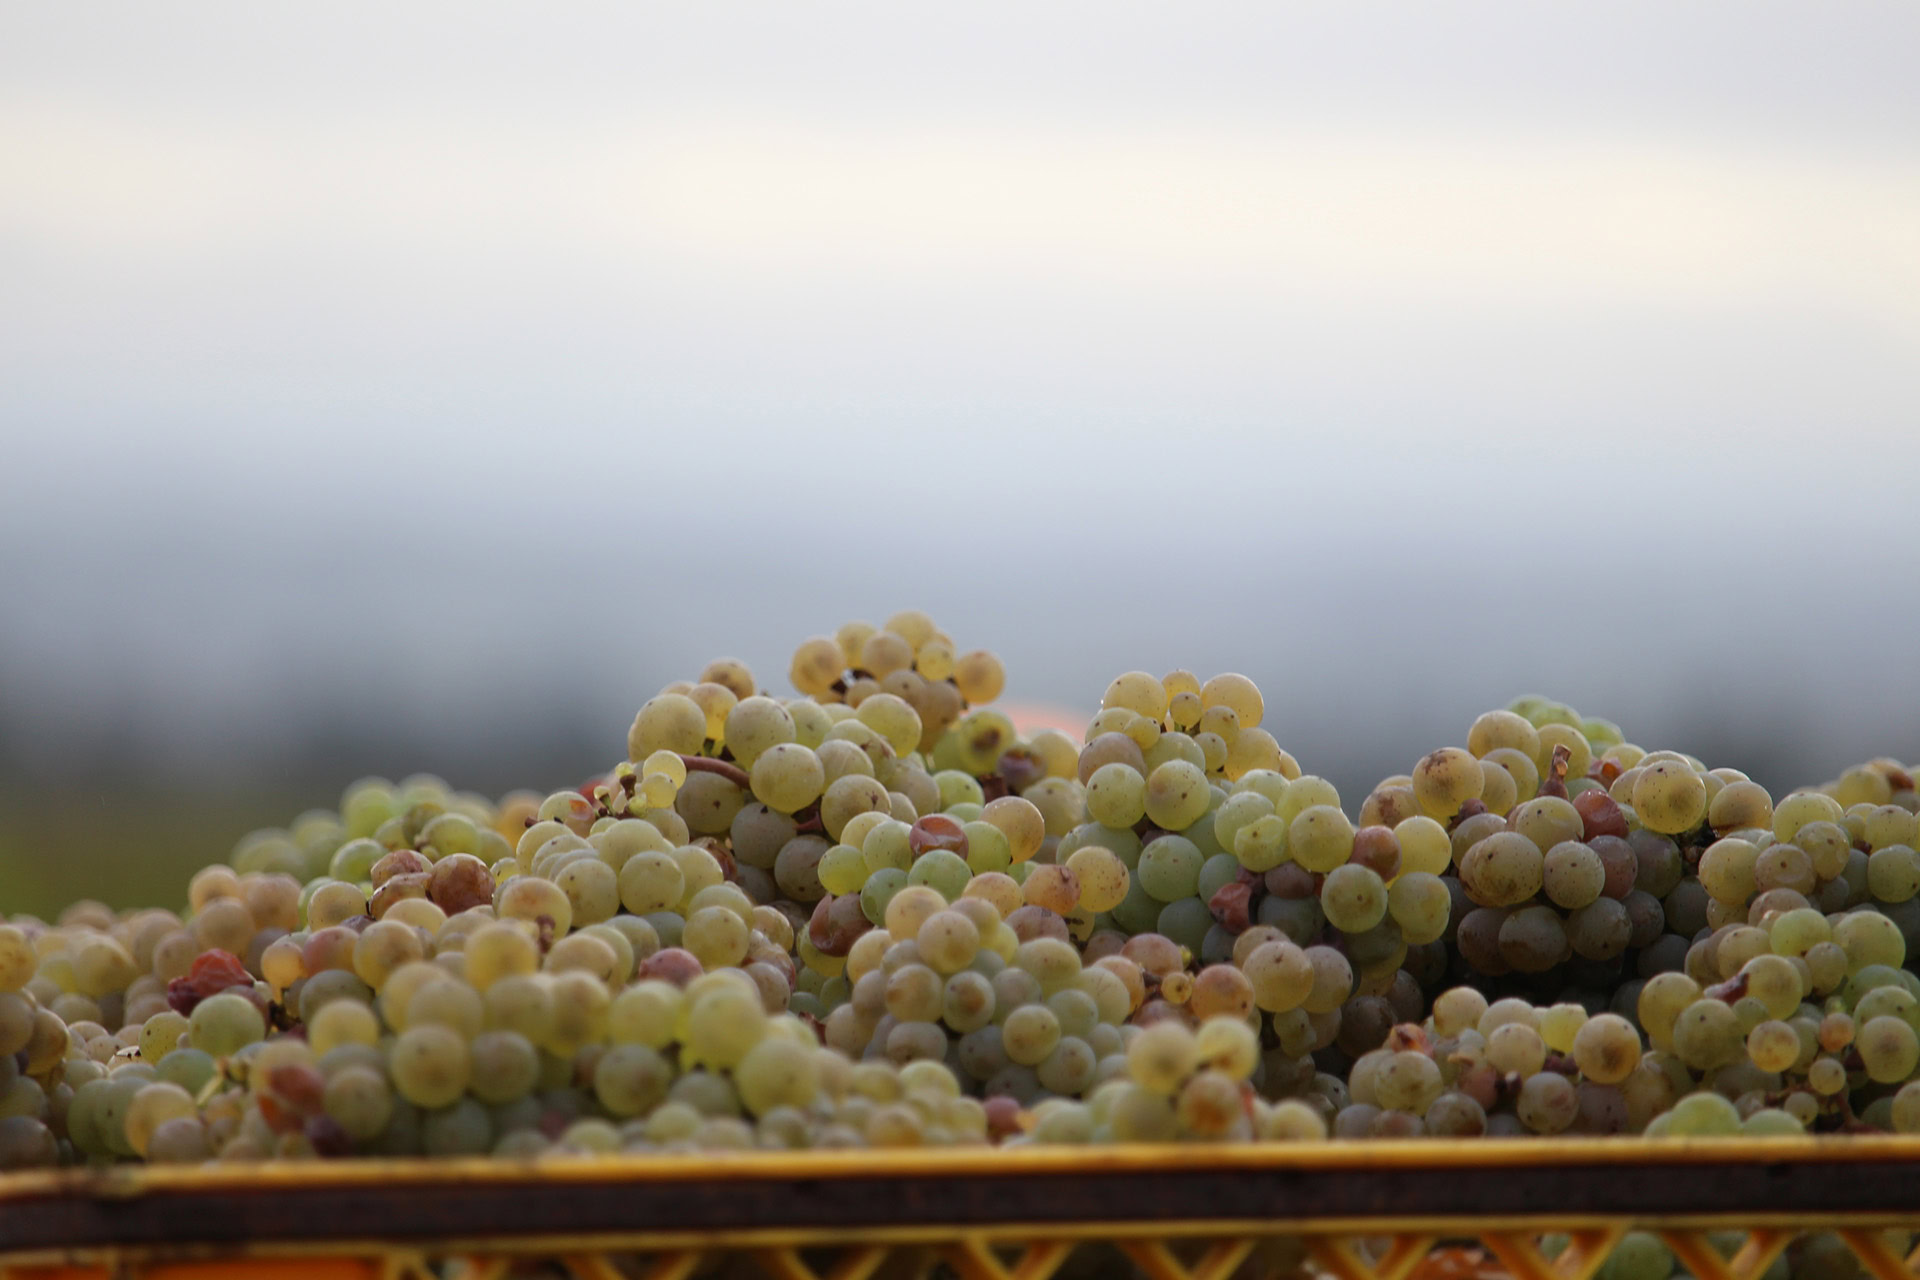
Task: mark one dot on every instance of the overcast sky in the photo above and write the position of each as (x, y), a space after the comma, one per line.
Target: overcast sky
(467, 366)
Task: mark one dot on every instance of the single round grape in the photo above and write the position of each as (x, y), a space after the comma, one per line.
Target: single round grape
(1177, 795)
(225, 1023)
(1421, 905)
(429, 1065)
(1353, 898)
(1446, 779)
(1319, 838)
(1502, 870)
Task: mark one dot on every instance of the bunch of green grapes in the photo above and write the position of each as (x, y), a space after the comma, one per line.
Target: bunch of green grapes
(951, 981)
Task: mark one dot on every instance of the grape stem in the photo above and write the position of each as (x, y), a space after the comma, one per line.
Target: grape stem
(725, 768)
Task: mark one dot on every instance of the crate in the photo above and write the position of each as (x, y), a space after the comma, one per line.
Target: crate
(1419, 1210)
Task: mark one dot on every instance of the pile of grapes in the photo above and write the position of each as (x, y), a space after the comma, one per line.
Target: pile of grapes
(876, 915)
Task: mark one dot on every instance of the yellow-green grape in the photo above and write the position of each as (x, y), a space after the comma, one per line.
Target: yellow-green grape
(934, 659)
(1888, 1048)
(1137, 692)
(1498, 791)
(847, 798)
(225, 1023)
(151, 1107)
(1503, 870)
(1773, 981)
(787, 777)
(1184, 710)
(817, 664)
(777, 1072)
(1519, 768)
(447, 1004)
(429, 1065)
(1573, 875)
(631, 1079)
(1238, 694)
(1559, 1025)
(1353, 898)
(1606, 1048)
(669, 722)
(1869, 938)
(1893, 873)
(1177, 795)
(1116, 795)
(1103, 877)
(533, 899)
(647, 1013)
(1419, 903)
(1444, 780)
(1708, 1034)
(1458, 1009)
(1282, 976)
(1162, 1056)
(160, 1035)
(1727, 870)
(1497, 729)
(1669, 797)
(716, 936)
(948, 941)
(1800, 808)
(1906, 1109)
(651, 881)
(1261, 844)
(715, 701)
(1332, 980)
(1742, 805)
(592, 888)
(1021, 821)
(893, 719)
(1773, 1046)
(1516, 1047)
(1256, 749)
(1320, 838)
(1888, 824)
(723, 1024)
(842, 869)
(1424, 845)
(342, 1022)
(1660, 1004)
(979, 676)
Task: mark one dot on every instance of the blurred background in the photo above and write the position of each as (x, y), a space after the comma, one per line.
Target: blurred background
(420, 388)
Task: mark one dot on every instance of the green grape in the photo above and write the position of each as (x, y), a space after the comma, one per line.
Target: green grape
(987, 847)
(430, 1065)
(879, 891)
(646, 1013)
(943, 871)
(1424, 846)
(1320, 838)
(1893, 872)
(777, 1072)
(1503, 870)
(1888, 1048)
(505, 1066)
(1444, 780)
(716, 936)
(788, 777)
(1421, 905)
(223, 1024)
(1869, 938)
(842, 869)
(1353, 898)
(1703, 1115)
(188, 1068)
(1116, 795)
(630, 1079)
(1708, 1034)
(1177, 795)
(722, 1025)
